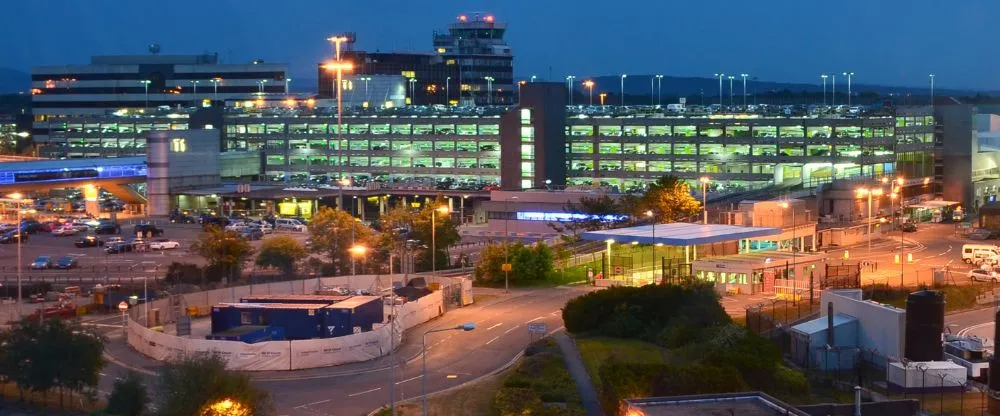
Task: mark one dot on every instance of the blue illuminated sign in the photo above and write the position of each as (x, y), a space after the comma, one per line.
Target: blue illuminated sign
(565, 217)
(67, 174)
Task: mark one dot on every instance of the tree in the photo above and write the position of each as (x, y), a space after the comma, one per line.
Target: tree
(281, 252)
(416, 225)
(129, 397)
(528, 263)
(333, 232)
(225, 251)
(595, 213)
(192, 384)
(670, 200)
(52, 354)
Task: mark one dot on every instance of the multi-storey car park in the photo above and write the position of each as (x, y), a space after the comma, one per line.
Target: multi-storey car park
(459, 148)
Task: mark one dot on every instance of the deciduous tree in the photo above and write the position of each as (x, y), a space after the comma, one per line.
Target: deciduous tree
(670, 200)
(225, 251)
(190, 385)
(281, 252)
(333, 232)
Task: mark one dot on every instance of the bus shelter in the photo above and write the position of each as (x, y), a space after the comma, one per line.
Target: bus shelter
(774, 272)
(652, 253)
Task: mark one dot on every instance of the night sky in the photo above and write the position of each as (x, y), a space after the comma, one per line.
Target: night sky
(895, 42)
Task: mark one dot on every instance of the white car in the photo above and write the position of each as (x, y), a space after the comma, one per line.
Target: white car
(64, 230)
(163, 244)
(984, 276)
(265, 227)
(236, 227)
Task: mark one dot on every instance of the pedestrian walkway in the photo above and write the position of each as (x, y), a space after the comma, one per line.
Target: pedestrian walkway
(574, 363)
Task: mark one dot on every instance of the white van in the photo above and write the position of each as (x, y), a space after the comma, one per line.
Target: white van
(289, 224)
(980, 253)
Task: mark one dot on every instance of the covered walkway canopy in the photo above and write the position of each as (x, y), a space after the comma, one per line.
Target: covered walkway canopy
(680, 234)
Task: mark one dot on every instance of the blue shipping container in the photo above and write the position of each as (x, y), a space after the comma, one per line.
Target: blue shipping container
(249, 334)
(300, 321)
(231, 315)
(360, 312)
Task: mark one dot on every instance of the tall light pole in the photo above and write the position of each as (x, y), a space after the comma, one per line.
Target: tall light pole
(444, 210)
(287, 82)
(833, 95)
(623, 90)
(413, 97)
(215, 85)
(519, 85)
(340, 67)
(423, 380)
(824, 76)
(721, 76)
(659, 88)
(569, 87)
(447, 91)
(744, 76)
(590, 85)
(731, 90)
(932, 88)
(902, 261)
(870, 192)
(356, 251)
(20, 237)
(366, 79)
(533, 79)
(849, 75)
(261, 84)
(704, 197)
(194, 90)
(652, 91)
(489, 90)
(145, 84)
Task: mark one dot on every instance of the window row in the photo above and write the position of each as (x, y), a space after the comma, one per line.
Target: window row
(379, 161)
(116, 127)
(369, 145)
(364, 128)
(666, 149)
(730, 131)
(666, 166)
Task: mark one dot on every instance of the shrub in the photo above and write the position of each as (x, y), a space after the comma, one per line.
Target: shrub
(511, 401)
(183, 273)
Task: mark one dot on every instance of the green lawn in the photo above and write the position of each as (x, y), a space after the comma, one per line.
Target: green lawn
(598, 350)
(957, 297)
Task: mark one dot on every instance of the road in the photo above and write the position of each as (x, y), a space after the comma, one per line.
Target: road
(453, 358)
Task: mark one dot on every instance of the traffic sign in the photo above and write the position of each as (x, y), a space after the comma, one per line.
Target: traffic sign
(537, 328)
(618, 270)
(123, 306)
(506, 267)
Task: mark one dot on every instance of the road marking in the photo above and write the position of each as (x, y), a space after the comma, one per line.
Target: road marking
(533, 320)
(491, 341)
(494, 326)
(409, 379)
(509, 330)
(313, 403)
(363, 392)
(102, 374)
(966, 330)
(555, 312)
(452, 376)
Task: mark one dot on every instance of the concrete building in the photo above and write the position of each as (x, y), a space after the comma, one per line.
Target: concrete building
(425, 77)
(485, 62)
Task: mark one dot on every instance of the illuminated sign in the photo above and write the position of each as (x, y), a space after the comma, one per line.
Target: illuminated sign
(56, 175)
(178, 145)
(565, 217)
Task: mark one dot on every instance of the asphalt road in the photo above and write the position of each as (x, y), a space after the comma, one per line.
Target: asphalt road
(453, 358)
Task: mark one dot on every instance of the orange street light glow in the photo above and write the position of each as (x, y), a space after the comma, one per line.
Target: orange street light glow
(333, 66)
(443, 209)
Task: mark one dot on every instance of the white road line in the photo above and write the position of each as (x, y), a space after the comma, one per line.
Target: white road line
(363, 392)
(533, 320)
(509, 330)
(494, 326)
(409, 379)
(554, 312)
(494, 339)
(312, 404)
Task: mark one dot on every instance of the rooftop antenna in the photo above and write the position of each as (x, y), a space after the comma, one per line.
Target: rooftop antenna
(154, 48)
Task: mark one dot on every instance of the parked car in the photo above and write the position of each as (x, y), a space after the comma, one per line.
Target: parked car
(12, 237)
(115, 240)
(264, 226)
(237, 226)
(89, 241)
(182, 219)
(290, 224)
(119, 248)
(980, 275)
(107, 228)
(31, 226)
(252, 233)
(64, 230)
(147, 230)
(67, 262)
(41, 263)
(163, 244)
(909, 227)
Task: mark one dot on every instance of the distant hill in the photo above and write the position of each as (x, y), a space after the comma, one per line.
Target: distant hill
(13, 81)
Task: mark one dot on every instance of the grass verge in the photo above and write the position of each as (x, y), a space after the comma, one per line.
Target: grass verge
(958, 297)
(599, 350)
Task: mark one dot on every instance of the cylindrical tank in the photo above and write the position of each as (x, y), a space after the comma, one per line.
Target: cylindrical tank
(924, 325)
(157, 179)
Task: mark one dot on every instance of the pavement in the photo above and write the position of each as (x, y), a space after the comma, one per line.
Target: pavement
(453, 357)
(577, 370)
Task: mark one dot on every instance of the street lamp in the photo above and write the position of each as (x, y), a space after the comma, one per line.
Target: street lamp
(469, 326)
(443, 210)
(226, 407)
(659, 88)
(447, 91)
(533, 79)
(652, 91)
(623, 90)
(356, 251)
(849, 75)
(590, 85)
(824, 76)
(340, 67)
(869, 193)
(413, 98)
(366, 79)
(145, 83)
(721, 76)
(17, 196)
(704, 197)
(194, 90)
(932, 88)
(569, 86)
(519, 85)
(833, 90)
(489, 90)
(731, 90)
(602, 96)
(215, 84)
(744, 76)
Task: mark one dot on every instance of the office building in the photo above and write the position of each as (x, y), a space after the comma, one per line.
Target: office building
(426, 78)
(485, 61)
(112, 83)
(968, 165)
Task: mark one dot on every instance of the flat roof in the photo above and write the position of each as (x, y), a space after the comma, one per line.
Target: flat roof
(934, 204)
(742, 404)
(760, 258)
(354, 302)
(272, 305)
(680, 234)
(820, 324)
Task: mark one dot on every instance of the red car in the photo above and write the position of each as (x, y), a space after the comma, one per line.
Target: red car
(49, 226)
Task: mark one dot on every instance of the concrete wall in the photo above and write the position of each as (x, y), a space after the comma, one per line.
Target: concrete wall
(880, 327)
(958, 145)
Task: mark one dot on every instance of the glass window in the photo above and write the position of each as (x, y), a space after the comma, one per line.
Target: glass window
(380, 129)
(819, 132)
(400, 129)
(791, 151)
(707, 131)
(360, 161)
(527, 168)
(900, 121)
(275, 128)
(791, 131)
(317, 128)
(422, 146)
(359, 145)
(465, 146)
(444, 162)
(684, 166)
(612, 131)
(527, 151)
(635, 166)
(317, 144)
(684, 148)
(818, 150)
(358, 128)
(634, 148)
(400, 145)
(489, 163)
(610, 165)
(581, 164)
(444, 129)
(445, 146)
(736, 150)
(765, 131)
(527, 133)
(852, 132)
(657, 166)
(525, 116)
(422, 162)
(489, 129)
(659, 148)
(765, 150)
(400, 162)
(422, 129)
(737, 131)
(466, 162)
(659, 131)
(685, 131)
(635, 130)
(489, 146)
(587, 148)
(710, 149)
(379, 161)
(581, 130)
(380, 144)
(466, 129)
(610, 148)
(298, 128)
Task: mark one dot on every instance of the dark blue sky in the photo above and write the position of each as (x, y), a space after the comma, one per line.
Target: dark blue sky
(896, 42)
